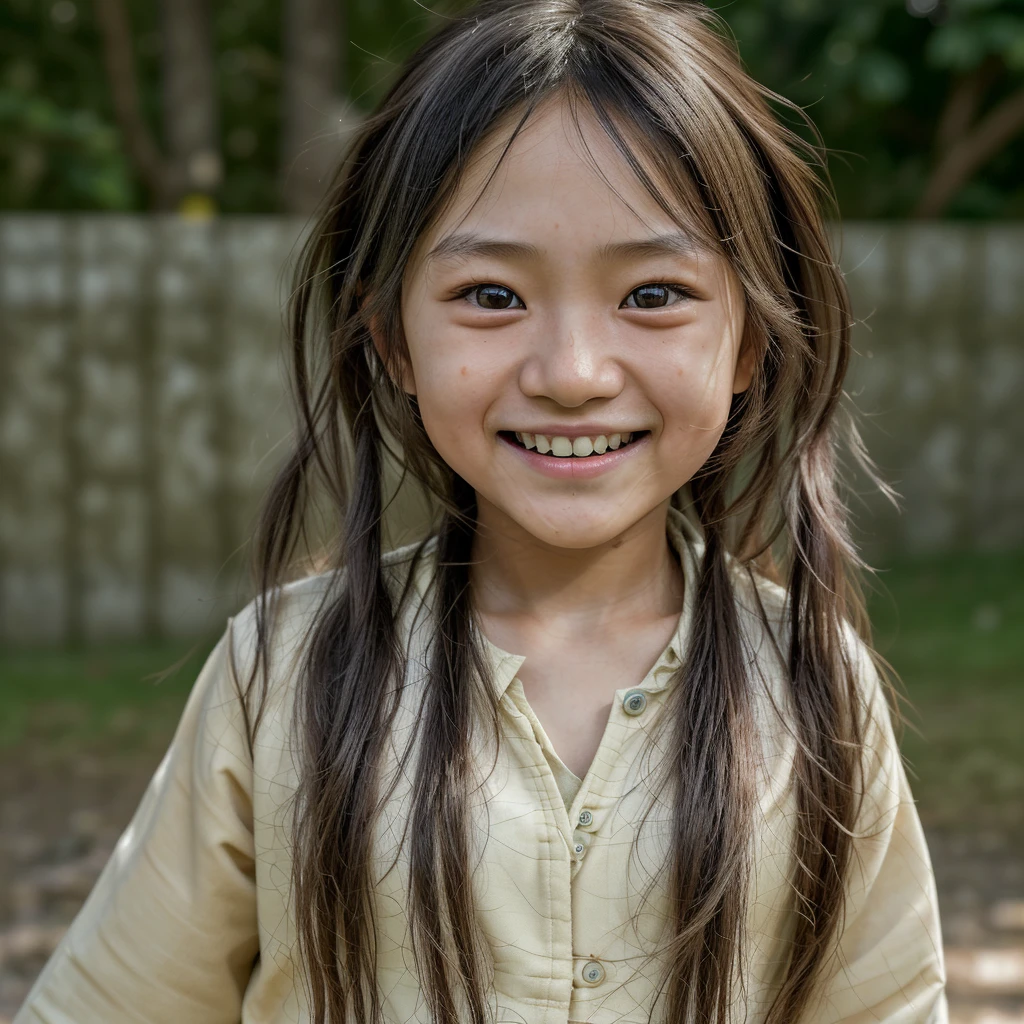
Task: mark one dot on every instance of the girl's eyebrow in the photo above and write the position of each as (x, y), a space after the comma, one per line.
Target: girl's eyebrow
(466, 244)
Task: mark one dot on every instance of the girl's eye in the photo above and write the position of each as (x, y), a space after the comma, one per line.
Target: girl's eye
(655, 296)
(492, 296)
(648, 296)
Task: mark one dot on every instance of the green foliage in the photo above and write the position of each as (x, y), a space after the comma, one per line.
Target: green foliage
(247, 38)
(977, 29)
(59, 148)
(875, 75)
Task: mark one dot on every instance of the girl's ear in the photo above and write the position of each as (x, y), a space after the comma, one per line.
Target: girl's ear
(408, 381)
(745, 361)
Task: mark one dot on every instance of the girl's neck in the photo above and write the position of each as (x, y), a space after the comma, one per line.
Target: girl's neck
(632, 580)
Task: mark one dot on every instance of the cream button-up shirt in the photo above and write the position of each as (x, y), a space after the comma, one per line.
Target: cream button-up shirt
(191, 921)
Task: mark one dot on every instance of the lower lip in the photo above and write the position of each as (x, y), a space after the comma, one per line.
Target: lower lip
(571, 467)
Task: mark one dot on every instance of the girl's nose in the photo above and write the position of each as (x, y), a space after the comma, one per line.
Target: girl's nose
(571, 365)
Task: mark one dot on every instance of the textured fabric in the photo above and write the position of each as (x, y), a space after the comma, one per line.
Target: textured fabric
(568, 782)
(191, 919)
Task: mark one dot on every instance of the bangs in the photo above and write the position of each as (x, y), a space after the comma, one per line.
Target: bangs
(650, 154)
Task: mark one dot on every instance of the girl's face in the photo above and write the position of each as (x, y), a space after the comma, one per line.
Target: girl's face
(550, 308)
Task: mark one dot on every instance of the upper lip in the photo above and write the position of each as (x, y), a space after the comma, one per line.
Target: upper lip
(582, 430)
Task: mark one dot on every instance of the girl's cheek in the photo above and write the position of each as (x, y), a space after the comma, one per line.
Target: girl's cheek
(453, 398)
(698, 392)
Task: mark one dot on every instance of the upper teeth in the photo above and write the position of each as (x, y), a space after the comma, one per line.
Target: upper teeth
(566, 446)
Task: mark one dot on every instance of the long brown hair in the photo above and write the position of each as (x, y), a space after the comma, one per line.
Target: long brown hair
(666, 84)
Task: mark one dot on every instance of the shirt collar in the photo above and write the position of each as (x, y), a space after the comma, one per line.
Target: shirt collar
(685, 537)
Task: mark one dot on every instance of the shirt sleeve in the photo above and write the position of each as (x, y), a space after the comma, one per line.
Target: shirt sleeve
(890, 967)
(169, 932)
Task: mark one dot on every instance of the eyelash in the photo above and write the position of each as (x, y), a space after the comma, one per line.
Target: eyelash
(685, 292)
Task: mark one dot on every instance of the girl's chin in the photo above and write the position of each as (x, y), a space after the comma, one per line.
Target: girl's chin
(579, 525)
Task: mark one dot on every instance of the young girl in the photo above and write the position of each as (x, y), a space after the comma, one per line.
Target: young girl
(605, 746)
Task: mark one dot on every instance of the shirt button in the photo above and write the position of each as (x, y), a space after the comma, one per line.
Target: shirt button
(593, 972)
(586, 817)
(634, 702)
(579, 849)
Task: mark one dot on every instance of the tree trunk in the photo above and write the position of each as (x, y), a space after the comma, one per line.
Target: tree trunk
(191, 123)
(970, 152)
(965, 99)
(122, 77)
(314, 114)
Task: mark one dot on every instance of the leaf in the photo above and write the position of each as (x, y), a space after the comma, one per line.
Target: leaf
(957, 47)
(1014, 54)
(882, 78)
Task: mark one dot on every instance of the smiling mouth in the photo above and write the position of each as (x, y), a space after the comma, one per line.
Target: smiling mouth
(635, 436)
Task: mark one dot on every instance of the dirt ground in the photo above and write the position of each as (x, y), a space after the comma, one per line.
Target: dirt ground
(60, 819)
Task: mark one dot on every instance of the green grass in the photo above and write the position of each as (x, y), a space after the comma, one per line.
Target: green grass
(123, 694)
(952, 627)
(951, 618)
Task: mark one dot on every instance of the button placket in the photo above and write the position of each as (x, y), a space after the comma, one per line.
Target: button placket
(580, 841)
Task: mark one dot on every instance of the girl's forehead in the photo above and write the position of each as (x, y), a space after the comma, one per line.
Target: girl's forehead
(561, 164)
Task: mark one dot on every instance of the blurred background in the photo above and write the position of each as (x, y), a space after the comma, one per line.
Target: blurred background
(158, 163)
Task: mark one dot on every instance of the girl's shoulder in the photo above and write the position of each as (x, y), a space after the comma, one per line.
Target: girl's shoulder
(289, 614)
